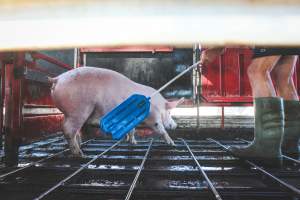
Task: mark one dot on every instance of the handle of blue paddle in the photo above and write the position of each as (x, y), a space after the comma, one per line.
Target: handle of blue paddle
(175, 78)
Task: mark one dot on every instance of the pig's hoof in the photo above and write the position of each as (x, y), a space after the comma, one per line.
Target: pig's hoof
(171, 142)
(78, 154)
(75, 156)
(133, 142)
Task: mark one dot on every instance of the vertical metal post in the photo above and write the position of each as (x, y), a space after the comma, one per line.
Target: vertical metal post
(198, 87)
(75, 58)
(1, 102)
(13, 108)
(84, 59)
(222, 118)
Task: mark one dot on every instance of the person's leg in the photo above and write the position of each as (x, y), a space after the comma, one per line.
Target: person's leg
(259, 76)
(285, 87)
(283, 75)
(269, 120)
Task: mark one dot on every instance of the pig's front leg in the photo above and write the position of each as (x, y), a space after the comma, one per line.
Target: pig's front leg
(160, 129)
(130, 137)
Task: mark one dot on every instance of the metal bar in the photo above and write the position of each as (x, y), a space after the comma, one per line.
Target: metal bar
(175, 78)
(76, 51)
(211, 186)
(222, 118)
(39, 161)
(198, 82)
(14, 75)
(139, 172)
(281, 182)
(34, 66)
(49, 59)
(284, 156)
(62, 182)
(35, 145)
(291, 159)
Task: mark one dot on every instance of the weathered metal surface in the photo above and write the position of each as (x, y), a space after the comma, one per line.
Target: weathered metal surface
(40, 126)
(29, 110)
(37, 93)
(12, 105)
(226, 80)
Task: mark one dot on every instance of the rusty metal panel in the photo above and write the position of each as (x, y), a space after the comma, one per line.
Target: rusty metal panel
(40, 117)
(29, 110)
(41, 125)
(36, 93)
(226, 80)
(231, 69)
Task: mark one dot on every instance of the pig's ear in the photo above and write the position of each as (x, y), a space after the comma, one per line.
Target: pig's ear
(174, 104)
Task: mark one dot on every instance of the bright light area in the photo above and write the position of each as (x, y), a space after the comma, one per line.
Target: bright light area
(214, 111)
(109, 23)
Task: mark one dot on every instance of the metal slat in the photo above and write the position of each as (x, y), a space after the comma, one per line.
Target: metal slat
(162, 178)
(35, 145)
(211, 186)
(281, 182)
(39, 161)
(284, 156)
(62, 182)
(139, 172)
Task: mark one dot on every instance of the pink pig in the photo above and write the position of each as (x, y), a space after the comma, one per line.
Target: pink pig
(85, 94)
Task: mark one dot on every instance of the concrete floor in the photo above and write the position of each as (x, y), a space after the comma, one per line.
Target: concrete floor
(210, 117)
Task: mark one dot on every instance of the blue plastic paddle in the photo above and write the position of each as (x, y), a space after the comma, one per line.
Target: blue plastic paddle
(130, 113)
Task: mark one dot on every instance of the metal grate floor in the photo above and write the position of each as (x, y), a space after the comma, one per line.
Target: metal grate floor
(194, 169)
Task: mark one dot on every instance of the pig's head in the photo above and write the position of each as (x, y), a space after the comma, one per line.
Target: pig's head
(167, 120)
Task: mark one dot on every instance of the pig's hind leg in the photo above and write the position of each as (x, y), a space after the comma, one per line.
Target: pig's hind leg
(78, 137)
(71, 130)
(72, 127)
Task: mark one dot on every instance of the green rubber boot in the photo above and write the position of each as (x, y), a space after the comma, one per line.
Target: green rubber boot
(268, 132)
(291, 129)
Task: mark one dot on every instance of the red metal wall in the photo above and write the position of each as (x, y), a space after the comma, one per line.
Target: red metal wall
(41, 117)
(29, 110)
(226, 81)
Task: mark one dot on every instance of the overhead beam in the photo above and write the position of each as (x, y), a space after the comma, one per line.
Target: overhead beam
(43, 24)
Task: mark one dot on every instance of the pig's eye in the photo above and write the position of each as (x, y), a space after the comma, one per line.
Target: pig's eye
(156, 124)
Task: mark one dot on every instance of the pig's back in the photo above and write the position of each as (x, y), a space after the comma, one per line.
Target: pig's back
(87, 86)
(88, 74)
